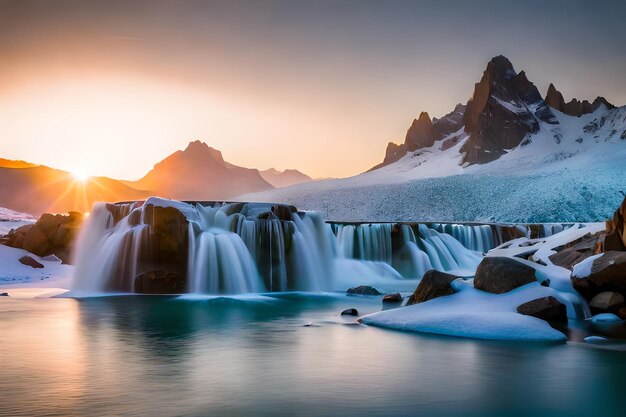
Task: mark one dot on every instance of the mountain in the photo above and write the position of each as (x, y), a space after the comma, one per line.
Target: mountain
(39, 189)
(574, 107)
(199, 173)
(284, 178)
(9, 163)
(508, 155)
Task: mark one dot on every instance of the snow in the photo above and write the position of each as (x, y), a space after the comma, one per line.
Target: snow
(474, 314)
(583, 269)
(548, 180)
(10, 219)
(605, 318)
(21, 280)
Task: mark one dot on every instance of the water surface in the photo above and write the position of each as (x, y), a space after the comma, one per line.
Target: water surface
(285, 356)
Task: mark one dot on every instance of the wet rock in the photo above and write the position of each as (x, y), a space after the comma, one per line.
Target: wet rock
(434, 284)
(392, 298)
(283, 212)
(350, 312)
(363, 290)
(4, 294)
(608, 273)
(498, 275)
(545, 308)
(30, 261)
(161, 282)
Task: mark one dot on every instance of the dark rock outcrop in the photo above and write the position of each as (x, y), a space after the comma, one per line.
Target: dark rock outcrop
(498, 275)
(498, 115)
(608, 273)
(434, 284)
(424, 133)
(394, 297)
(607, 300)
(574, 107)
(615, 231)
(165, 263)
(350, 312)
(52, 234)
(545, 308)
(30, 261)
(574, 252)
(363, 290)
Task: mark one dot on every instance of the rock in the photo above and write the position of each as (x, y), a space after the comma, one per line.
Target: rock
(608, 273)
(434, 284)
(363, 290)
(284, 212)
(350, 312)
(4, 294)
(28, 260)
(161, 282)
(577, 251)
(606, 300)
(421, 134)
(52, 234)
(497, 117)
(545, 308)
(615, 229)
(498, 275)
(392, 298)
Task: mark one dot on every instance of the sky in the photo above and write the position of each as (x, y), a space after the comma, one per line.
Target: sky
(112, 87)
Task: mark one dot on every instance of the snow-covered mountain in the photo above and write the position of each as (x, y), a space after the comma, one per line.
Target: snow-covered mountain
(507, 155)
(284, 178)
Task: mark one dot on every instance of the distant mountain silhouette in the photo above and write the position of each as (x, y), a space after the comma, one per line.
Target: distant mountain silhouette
(284, 178)
(200, 173)
(40, 189)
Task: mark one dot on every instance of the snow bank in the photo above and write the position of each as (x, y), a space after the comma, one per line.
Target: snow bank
(474, 314)
(21, 280)
(583, 269)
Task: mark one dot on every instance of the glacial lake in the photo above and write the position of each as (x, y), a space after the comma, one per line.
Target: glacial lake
(283, 355)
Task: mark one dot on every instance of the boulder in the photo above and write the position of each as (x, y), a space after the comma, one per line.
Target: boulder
(52, 234)
(392, 298)
(363, 290)
(30, 261)
(577, 251)
(615, 229)
(161, 282)
(350, 312)
(607, 300)
(434, 284)
(608, 273)
(498, 275)
(545, 308)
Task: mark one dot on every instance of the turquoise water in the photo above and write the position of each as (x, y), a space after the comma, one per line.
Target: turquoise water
(287, 356)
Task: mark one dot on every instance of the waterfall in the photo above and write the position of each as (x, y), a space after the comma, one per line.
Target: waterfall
(109, 248)
(409, 253)
(216, 249)
(474, 237)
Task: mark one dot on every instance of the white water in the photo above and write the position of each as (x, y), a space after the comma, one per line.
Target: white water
(231, 250)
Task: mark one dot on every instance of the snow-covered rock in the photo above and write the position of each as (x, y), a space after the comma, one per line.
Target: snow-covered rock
(474, 314)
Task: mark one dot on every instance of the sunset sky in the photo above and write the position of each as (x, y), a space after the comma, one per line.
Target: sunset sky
(112, 87)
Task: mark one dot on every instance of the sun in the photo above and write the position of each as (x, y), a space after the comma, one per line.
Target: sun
(80, 175)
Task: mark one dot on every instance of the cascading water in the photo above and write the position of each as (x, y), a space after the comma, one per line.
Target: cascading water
(114, 237)
(229, 249)
(164, 246)
(410, 253)
(474, 237)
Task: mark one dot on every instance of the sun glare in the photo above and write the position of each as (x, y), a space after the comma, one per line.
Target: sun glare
(80, 175)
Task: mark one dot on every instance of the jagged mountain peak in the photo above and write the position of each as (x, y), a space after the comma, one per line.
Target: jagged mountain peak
(574, 107)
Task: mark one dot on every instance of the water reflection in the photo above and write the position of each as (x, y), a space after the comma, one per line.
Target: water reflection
(167, 356)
